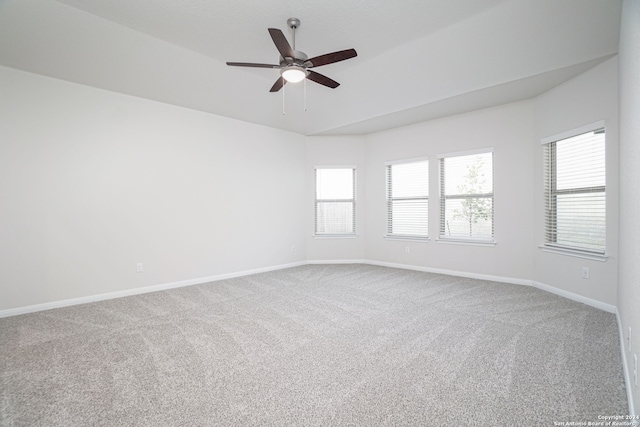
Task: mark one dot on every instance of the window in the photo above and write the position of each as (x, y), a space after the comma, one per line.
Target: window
(466, 196)
(335, 201)
(408, 199)
(574, 184)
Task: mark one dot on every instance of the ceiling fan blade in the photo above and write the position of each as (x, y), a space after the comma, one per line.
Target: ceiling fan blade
(330, 58)
(323, 80)
(278, 84)
(251, 64)
(281, 43)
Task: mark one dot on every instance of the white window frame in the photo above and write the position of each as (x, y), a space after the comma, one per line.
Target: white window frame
(549, 244)
(480, 240)
(352, 200)
(390, 199)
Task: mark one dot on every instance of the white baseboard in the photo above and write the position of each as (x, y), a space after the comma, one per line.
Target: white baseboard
(337, 261)
(502, 279)
(566, 294)
(139, 291)
(625, 366)
(161, 287)
(575, 297)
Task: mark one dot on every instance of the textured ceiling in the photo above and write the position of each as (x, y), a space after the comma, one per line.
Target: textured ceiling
(417, 59)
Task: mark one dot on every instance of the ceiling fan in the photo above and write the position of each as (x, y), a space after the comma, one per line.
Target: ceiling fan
(295, 65)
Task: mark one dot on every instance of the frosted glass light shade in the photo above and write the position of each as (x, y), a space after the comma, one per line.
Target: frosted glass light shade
(294, 74)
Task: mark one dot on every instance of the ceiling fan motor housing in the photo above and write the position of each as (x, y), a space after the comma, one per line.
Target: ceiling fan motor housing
(300, 59)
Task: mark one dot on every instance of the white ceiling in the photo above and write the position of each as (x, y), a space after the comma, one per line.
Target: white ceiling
(417, 59)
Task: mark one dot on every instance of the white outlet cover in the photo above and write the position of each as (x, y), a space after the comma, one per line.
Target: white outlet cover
(585, 272)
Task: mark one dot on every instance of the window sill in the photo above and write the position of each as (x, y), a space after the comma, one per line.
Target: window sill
(335, 236)
(574, 253)
(407, 238)
(467, 242)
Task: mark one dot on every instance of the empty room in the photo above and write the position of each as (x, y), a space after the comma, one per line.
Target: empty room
(335, 213)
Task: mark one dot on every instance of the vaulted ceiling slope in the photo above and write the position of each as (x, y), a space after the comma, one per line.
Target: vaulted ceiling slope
(417, 59)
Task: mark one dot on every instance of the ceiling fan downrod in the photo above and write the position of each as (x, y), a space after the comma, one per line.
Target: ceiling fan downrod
(293, 23)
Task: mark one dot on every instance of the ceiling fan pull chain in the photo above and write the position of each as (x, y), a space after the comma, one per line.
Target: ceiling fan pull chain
(283, 112)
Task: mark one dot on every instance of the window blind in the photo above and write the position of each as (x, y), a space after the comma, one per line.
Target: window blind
(335, 203)
(408, 199)
(466, 196)
(575, 192)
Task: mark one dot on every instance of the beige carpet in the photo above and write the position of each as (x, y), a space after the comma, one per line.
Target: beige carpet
(336, 345)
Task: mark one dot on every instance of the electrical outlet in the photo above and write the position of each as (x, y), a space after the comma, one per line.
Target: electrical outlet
(139, 268)
(585, 272)
(407, 250)
(293, 249)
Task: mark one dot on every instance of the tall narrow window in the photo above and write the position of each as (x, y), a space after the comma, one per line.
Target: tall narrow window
(466, 196)
(574, 171)
(408, 199)
(335, 201)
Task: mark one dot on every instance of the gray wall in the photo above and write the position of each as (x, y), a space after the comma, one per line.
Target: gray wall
(514, 132)
(629, 265)
(93, 182)
(588, 98)
(508, 130)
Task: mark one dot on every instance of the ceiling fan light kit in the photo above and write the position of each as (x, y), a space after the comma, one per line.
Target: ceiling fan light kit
(294, 73)
(294, 65)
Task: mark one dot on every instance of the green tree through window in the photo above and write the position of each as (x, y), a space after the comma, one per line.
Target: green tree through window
(474, 209)
(466, 196)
